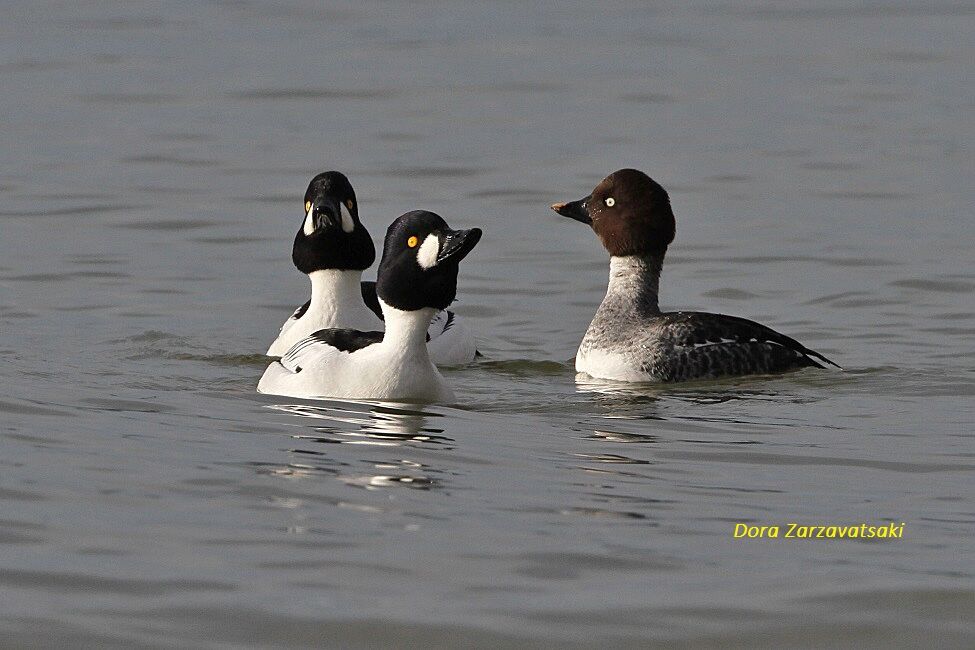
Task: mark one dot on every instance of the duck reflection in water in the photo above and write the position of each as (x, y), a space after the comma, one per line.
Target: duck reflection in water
(373, 425)
(380, 424)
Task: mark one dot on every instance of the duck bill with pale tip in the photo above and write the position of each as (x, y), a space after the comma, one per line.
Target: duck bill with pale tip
(578, 210)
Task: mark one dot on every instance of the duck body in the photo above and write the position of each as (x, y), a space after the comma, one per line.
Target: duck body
(683, 346)
(630, 339)
(394, 365)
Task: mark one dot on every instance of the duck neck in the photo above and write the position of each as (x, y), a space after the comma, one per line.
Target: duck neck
(334, 289)
(634, 283)
(407, 330)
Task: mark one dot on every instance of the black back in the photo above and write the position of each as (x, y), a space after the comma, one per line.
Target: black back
(343, 339)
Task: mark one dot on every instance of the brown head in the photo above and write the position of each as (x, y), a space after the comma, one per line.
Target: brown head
(629, 211)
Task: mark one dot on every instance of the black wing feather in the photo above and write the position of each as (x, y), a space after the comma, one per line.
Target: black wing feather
(702, 327)
(371, 299)
(317, 347)
(301, 310)
(342, 339)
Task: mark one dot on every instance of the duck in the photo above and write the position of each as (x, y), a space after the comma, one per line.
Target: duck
(333, 248)
(417, 278)
(630, 339)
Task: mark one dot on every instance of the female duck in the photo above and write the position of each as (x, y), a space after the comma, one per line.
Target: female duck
(630, 339)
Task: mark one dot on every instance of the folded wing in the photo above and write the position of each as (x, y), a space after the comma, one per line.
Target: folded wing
(322, 345)
(716, 345)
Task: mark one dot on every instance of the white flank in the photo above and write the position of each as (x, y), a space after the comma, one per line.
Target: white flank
(398, 368)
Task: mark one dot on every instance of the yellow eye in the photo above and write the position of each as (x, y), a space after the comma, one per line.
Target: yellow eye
(349, 204)
(412, 241)
(307, 206)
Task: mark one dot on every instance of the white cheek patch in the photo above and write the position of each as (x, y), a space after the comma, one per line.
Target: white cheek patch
(348, 225)
(309, 227)
(426, 256)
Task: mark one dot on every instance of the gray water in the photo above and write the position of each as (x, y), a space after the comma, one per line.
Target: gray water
(153, 157)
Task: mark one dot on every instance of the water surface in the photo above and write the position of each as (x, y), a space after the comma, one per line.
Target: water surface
(152, 163)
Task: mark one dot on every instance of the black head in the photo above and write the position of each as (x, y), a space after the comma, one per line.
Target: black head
(331, 235)
(629, 211)
(420, 258)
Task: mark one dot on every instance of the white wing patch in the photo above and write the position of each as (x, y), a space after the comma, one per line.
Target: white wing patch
(426, 256)
(721, 341)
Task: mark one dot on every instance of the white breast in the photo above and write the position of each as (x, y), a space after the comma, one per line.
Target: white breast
(336, 301)
(604, 364)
